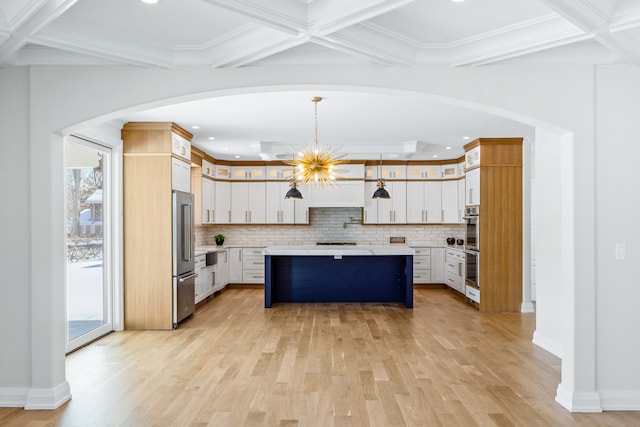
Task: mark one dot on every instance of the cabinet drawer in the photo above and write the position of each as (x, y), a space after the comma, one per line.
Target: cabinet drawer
(422, 263)
(422, 276)
(422, 252)
(253, 276)
(473, 294)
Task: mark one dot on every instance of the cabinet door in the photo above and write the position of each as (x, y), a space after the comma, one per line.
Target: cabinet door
(256, 202)
(180, 175)
(433, 202)
(473, 187)
(370, 211)
(450, 202)
(273, 203)
(208, 201)
(222, 205)
(461, 201)
(437, 265)
(398, 193)
(235, 265)
(415, 203)
(239, 202)
(301, 207)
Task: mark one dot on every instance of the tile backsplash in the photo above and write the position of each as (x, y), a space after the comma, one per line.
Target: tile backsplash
(329, 225)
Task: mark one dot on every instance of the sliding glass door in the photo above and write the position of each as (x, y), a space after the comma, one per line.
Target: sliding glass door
(89, 242)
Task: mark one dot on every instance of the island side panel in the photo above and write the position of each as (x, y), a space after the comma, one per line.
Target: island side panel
(339, 279)
(267, 281)
(408, 281)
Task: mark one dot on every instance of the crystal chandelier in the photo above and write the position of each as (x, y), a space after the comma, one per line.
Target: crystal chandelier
(316, 165)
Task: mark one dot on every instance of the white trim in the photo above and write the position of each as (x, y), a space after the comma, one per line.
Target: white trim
(13, 397)
(547, 344)
(587, 402)
(48, 398)
(620, 400)
(527, 307)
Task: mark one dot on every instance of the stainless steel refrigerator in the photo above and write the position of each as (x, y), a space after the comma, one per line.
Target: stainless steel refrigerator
(184, 274)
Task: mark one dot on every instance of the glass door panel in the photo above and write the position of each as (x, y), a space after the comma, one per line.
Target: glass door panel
(89, 288)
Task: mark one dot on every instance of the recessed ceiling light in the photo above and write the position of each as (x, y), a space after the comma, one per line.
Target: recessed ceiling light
(457, 1)
(434, 156)
(211, 138)
(150, 1)
(195, 127)
(226, 148)
(237, 157)
(465, 137)
(447, 148)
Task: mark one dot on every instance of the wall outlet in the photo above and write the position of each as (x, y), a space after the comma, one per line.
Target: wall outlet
(621, 251)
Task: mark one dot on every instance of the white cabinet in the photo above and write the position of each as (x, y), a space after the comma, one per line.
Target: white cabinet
(208, 201)
(422, 265)
(222, 270)
(278, 209)
(180, 146)
(248, 172)
(461, 200)
(394, 172)
(451, 171)
(394, 209)
(472, 183)
(424, 206)
(235, 265)
(343, 194)
(279, 172)
(252, 265)
(472, 157)
(180, 175)
(208, 169)
(222, 203)
(248, 202)
(370, 211)
(209, 280)
(424, 172)
(473, 294)
(201, 271)
(450, 208)
(437, 265)
(222, 171)
(454, 270)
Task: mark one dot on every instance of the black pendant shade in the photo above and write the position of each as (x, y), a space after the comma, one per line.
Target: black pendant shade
(293, 192)
(381, 192)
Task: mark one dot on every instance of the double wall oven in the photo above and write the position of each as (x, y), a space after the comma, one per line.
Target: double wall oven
(472, 249)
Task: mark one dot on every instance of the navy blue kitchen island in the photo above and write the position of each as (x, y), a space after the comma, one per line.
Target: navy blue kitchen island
(329, 274)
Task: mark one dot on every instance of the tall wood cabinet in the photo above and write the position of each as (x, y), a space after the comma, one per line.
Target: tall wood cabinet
(496, 181)
(150, 152)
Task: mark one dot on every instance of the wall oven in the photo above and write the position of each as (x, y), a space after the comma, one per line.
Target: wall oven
(472, 220)
(472, 276)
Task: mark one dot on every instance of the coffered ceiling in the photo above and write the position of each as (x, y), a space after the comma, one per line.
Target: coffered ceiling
(237, 33)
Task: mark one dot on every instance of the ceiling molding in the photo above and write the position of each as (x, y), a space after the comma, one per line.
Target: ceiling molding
(589, 16)
(333, 15)
(30, 22)
(289, 16)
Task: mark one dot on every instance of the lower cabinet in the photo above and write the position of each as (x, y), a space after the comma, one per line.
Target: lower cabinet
(454, 270)
(200, 268)
(235, 265)
(252, 265)
(422, 265)
(222, 270)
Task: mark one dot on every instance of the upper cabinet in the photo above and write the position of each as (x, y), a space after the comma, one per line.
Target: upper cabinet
(472, 157)
(180, 146)
(257, 173)
(424, 172)
(279, 173)
(472, 196)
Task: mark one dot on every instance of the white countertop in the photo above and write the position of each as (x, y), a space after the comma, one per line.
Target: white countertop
(331, 250)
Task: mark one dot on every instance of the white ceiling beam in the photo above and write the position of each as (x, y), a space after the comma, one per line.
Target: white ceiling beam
(329, 16)
(289, 16)
(78, 38)
(528, 37)
(30, 23)
(591, 17)
(365, 42)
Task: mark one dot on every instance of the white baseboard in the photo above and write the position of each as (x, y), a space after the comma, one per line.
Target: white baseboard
(620, 400)
(48, 398)
(548, 344)
(527, 307)
(587, 402)
(13, 397)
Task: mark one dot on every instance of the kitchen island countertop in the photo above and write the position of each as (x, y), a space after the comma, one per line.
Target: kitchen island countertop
(331, 250)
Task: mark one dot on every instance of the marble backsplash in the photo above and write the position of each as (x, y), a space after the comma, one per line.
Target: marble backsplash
(329, 225)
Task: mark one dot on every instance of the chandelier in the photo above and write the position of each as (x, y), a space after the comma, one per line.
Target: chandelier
(316, 165)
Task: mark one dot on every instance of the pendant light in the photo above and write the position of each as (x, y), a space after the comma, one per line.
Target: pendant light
(316, 165)
(293, 192)
(380, 192)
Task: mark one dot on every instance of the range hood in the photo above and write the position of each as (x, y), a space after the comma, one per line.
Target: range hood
(345, 194)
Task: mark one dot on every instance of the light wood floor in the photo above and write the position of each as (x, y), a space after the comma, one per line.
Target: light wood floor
(237, 364)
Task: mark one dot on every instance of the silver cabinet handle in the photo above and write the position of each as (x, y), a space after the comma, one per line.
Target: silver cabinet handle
(184, 279)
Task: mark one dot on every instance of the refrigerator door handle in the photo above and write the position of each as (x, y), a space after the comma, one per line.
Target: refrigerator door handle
(186, 233)
(190, 276)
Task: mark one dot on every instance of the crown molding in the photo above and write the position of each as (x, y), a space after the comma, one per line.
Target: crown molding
(289, 16)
